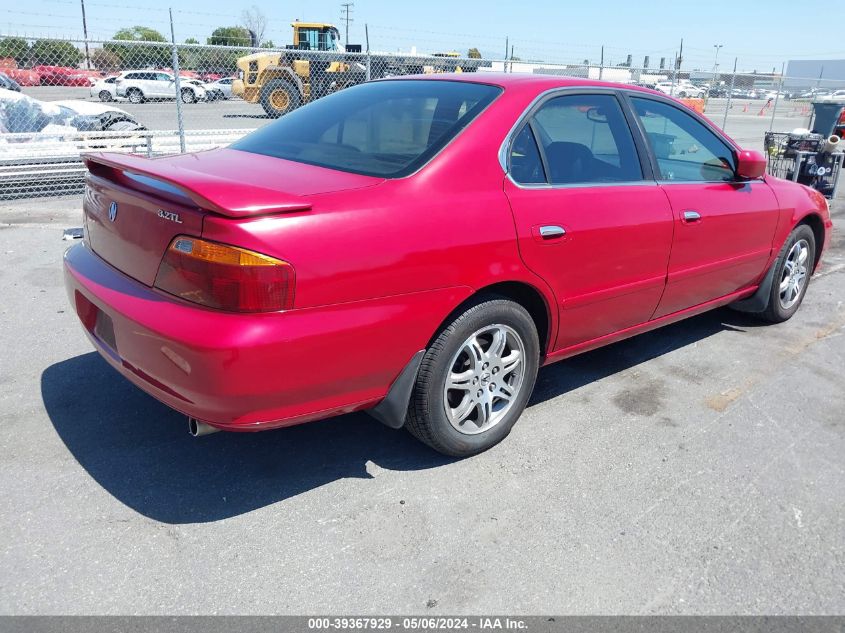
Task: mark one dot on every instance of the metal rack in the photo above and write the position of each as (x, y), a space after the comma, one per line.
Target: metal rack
(801, 158)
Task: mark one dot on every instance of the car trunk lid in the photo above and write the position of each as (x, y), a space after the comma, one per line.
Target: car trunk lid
(135, 206)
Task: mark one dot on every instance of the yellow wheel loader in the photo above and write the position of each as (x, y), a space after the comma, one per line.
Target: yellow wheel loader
(281, 81)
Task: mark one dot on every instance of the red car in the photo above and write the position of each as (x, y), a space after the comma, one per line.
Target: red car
(65, 76)
(418, 247)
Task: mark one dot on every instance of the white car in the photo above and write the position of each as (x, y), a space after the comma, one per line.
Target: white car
(220, 89)
(836, 95)
(141, 85)
(681, 89)
(23, 114)
(105, 89)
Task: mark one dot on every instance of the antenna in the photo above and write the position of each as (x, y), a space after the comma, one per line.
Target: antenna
(346, 16)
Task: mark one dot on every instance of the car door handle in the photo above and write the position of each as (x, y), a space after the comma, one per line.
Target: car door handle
(551, 231)
(691, 216)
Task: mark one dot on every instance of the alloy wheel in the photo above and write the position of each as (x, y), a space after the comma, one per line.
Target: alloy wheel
(484, 379)
(794, 274)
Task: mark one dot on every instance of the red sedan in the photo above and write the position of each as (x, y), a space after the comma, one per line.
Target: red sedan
(418, 247)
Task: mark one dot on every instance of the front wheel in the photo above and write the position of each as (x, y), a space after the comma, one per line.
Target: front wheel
(475, 379)
(188, 96)
(793, 269)
(105, 95)
(279, 97)
(135, 96)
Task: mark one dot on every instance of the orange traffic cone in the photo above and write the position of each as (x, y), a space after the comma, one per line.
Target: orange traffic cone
(745, 107)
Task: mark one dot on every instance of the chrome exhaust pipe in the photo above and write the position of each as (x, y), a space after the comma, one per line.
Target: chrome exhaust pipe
(197, 428)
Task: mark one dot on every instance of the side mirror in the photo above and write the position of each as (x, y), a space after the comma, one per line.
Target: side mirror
(751, 165)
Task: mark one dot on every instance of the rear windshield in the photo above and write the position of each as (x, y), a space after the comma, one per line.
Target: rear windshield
(384, 128)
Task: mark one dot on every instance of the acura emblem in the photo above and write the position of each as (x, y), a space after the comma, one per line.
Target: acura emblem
(113, 211)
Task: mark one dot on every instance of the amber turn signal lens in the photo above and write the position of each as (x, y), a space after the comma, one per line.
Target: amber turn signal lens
(225, 277)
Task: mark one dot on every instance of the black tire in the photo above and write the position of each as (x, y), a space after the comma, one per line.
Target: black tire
(188, 96)
(105, 95)
(776, 312)
(279, 97)
(427, 418)
(135, 96)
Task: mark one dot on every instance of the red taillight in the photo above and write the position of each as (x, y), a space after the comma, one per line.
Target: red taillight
(225, 277)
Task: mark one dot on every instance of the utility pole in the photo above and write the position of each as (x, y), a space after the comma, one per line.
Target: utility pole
(601, 63)
(85, 35)
(346, 16)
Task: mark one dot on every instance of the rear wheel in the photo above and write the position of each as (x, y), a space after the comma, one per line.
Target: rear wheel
(475, 379)
(279, 97)
(105, 95)
(793, 269)
(188, 96)
(135, 96)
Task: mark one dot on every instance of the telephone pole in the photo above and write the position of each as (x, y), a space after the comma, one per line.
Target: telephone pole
(85, 35)
(346, 16)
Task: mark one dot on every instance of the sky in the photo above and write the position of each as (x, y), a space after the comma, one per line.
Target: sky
(762, 34)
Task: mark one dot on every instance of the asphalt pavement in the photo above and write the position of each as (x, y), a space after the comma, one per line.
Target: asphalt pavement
(694, 469)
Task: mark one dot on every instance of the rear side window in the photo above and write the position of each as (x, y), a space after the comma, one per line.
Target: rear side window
(385, 128)
(586, 139)
(683, 147)
(526, 166)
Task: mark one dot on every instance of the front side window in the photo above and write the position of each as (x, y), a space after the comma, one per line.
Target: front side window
(586, 139)
(684, 148)
(385, 128)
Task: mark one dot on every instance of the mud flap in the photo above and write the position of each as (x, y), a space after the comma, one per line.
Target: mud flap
(393, 410)
(759, 301)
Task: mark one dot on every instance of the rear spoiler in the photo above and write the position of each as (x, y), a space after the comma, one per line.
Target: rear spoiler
(211, 193)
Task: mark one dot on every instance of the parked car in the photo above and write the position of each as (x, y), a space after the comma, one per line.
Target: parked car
(7, 83)
(140, 85)
(836, 95)
(717, 92)
(105, 89)
(65, 76)
(682, 89)
(417, 248)
(20, 113)
(220, 89)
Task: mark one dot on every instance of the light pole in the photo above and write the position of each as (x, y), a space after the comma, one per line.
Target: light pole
(716, 60)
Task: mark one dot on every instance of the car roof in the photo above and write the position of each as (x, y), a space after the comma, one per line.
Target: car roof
(525, 82)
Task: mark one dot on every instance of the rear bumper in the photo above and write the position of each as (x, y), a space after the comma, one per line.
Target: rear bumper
(250, 371)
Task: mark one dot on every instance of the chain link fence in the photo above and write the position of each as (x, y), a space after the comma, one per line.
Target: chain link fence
(60, 98)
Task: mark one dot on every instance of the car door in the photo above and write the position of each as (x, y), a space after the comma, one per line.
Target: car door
(724, 226)
(165, 85)
(590, 219)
